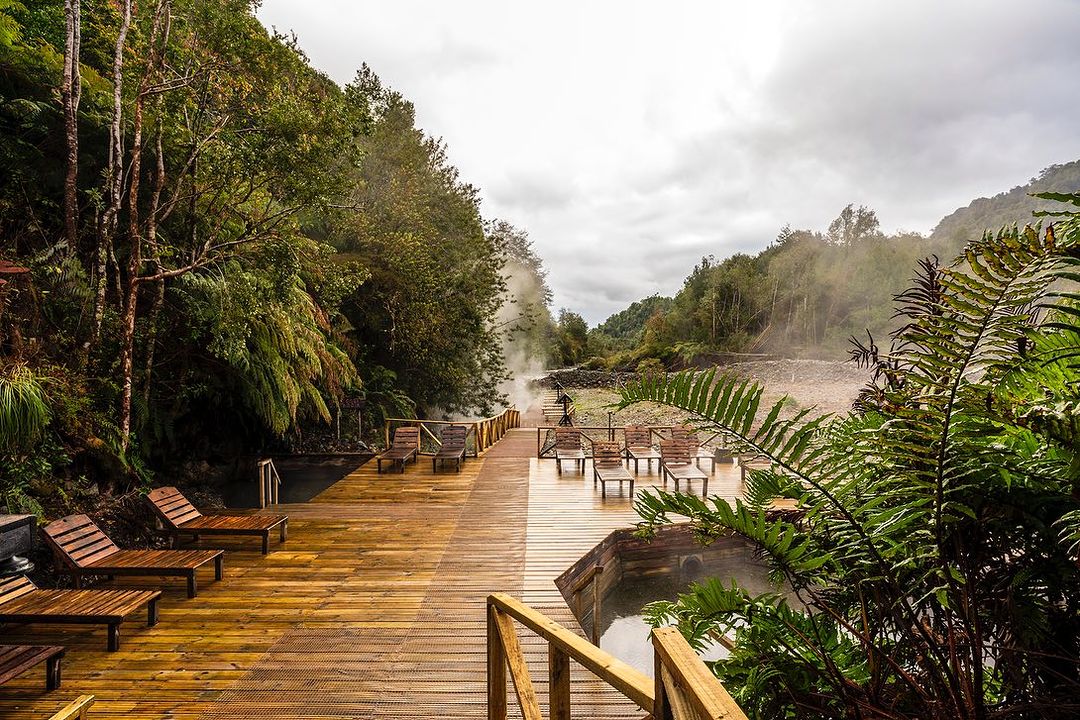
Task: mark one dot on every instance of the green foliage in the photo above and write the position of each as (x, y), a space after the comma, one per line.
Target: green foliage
(275, 339)
(933, 567)
(627, 327)
(572, 338)
(24, 409)
(429, 309)
(289, 241)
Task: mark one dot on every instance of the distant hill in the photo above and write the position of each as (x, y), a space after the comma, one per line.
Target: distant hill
(627, 325)
(1013, 206)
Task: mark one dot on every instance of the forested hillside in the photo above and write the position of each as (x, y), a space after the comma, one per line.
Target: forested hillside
(206, 244)
(809, 290)
(968, 223)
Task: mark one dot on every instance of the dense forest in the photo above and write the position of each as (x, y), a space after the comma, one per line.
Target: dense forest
(206, 244)
(804, 295)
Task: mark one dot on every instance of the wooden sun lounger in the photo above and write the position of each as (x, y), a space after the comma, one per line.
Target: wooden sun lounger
(81, 548)
(17, 659)
(639, 445)
(608, 467)
(406, 446)
(178, 516)
(685, 432)
(23, 602)
(677, 463)
(568, 447)
(452, 448)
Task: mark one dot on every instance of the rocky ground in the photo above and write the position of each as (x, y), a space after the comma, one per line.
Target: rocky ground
(827, 386)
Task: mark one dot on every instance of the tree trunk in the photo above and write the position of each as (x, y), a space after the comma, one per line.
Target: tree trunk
(135, 239)
(70, 94)
(114, 173)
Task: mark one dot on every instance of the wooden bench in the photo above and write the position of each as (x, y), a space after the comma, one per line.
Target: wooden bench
(688, 433)
(21, 601)
(81, 549)
(406, 446)
(568, 447)
(452, 448)
(17, 659)
(178, 516)
(608, 466)
(677, 463)
(639, 445)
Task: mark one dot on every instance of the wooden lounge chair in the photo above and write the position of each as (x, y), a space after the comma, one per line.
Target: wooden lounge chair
(452, 448)
(178, 516)
(406, 446)
(23, 602)
(677, 463)
(17, 659)
(568, 447)
(81, 548)
(639, 445)
(608, 466)
(686, 432)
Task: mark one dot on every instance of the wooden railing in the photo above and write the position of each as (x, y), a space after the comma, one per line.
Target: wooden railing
(483, 433)
(545, 443)
(683, 688)
(269, 482)
(76, 709)
(490, 430)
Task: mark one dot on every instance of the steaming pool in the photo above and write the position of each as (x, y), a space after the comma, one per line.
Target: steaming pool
(635, 572)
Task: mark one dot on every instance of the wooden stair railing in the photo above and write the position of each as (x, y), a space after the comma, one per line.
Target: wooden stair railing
(684, 688)
(269, 482)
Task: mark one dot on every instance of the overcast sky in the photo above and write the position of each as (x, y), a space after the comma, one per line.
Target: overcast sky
(632, 138)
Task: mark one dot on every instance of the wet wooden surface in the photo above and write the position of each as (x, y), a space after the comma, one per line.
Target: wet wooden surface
(374, 608)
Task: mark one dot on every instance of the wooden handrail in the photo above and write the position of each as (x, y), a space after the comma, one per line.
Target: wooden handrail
(77, 708)
(632, 683)
(683, 689)
(269, 482)
(486, 432)
(682, 678)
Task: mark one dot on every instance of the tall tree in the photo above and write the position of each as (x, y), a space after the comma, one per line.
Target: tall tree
(70, 95)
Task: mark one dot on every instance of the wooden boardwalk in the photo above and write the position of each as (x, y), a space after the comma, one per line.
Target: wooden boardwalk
(374, 608)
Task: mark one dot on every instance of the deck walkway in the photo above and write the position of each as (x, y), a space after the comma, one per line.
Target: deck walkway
(374, 608)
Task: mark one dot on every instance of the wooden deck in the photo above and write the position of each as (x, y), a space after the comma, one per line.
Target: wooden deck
(374, 608)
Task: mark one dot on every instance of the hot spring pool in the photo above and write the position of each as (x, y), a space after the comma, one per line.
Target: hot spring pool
(636, 573)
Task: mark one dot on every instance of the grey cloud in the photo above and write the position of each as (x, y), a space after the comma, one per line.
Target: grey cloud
(627, 167)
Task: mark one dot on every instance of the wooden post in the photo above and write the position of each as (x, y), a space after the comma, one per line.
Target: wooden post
(596, 605)
(275, 482)
(262, 486)
(661, 704)
(496, 669)
(559, 685)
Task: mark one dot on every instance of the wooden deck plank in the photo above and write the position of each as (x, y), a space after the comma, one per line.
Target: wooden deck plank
(373, 608)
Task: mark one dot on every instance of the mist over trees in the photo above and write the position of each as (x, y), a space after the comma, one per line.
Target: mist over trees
(806, 293)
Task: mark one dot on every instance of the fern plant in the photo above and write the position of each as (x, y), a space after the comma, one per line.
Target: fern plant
(933, 568)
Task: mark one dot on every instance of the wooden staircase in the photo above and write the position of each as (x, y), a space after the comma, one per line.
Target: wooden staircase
(558, 406)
